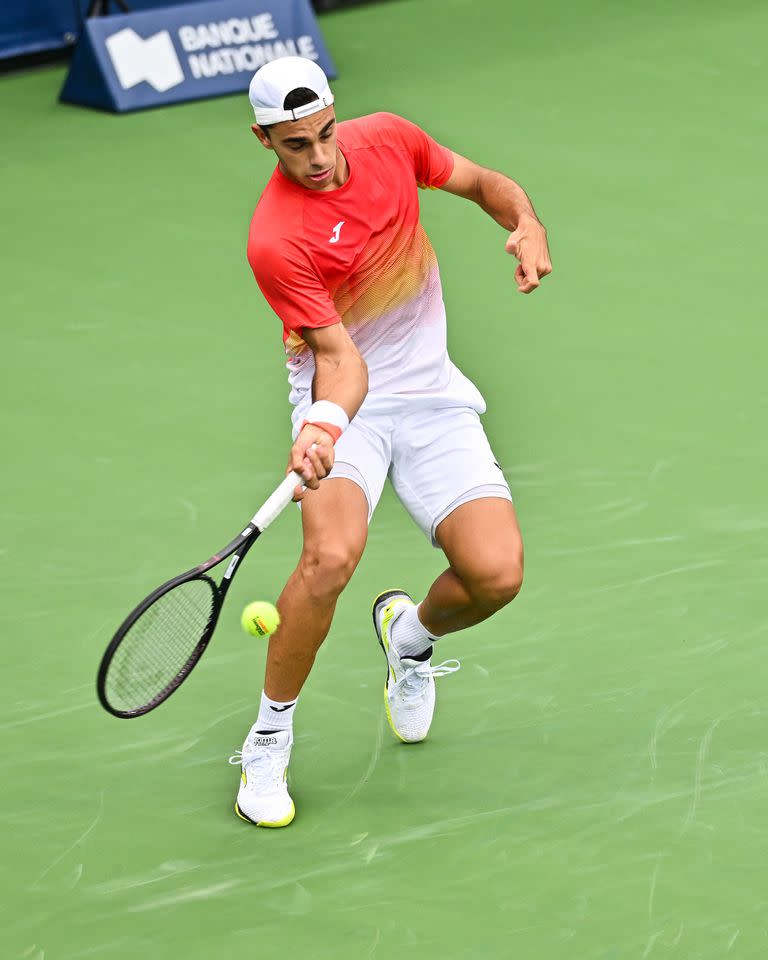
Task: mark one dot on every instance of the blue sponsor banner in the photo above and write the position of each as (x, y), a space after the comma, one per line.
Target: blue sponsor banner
(187, 52)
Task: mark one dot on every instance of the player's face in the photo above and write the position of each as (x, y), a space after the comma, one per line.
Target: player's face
(307, 150)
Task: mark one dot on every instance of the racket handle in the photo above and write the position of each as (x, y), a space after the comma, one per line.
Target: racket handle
(277, 502)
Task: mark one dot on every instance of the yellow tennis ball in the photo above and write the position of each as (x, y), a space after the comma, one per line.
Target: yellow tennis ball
(260, 618)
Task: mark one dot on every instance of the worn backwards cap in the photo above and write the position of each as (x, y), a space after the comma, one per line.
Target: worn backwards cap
(275, 80)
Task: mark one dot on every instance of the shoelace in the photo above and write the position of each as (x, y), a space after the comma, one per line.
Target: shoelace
(260, 763)
(415, 678)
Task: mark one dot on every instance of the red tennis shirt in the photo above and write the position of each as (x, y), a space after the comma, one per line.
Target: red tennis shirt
(359, 255)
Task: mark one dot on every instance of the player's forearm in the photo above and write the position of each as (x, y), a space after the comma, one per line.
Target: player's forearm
(339, 387)
(503, 199)
(342, 379)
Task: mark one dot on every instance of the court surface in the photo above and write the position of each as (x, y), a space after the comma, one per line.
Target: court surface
(596, 782)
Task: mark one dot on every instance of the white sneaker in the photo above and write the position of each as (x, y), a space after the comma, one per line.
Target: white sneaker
(409, 691)
(263, 797)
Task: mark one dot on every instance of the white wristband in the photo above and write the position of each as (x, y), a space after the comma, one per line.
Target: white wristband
(325, 411)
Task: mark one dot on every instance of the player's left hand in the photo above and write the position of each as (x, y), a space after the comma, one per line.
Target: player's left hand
(529, 244)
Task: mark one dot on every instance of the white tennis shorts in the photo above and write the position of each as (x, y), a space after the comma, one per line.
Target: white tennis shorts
(436, 456)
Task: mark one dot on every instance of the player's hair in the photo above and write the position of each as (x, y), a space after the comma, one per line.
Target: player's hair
(299, 97)
(296, 98)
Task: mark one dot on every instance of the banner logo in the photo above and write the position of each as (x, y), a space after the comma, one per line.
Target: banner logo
(153, 60)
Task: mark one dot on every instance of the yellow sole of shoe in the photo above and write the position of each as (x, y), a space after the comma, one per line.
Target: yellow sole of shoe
(270, 824)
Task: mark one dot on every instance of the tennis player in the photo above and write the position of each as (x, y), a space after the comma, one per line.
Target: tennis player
(338, 251)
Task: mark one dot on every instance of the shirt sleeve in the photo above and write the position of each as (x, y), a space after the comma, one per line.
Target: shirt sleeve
(292, 288)
(432, 162)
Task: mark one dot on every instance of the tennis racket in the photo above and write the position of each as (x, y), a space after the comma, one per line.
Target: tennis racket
(162, 639)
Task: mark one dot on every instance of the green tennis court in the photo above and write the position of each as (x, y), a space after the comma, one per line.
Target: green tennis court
(596, 781)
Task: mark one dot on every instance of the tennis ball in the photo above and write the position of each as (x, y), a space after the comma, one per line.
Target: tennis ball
(260, 618)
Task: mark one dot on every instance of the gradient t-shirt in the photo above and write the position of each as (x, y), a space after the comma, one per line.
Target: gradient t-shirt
(358, 254)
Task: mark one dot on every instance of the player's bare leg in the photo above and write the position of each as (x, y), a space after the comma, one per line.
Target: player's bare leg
(335, 524)
(482, 542)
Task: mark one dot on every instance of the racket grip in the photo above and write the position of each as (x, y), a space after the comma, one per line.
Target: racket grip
(277, 502)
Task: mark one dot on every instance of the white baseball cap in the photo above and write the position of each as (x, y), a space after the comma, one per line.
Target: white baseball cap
(274, 81)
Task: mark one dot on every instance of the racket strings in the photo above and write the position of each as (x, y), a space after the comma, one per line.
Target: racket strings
(160, 646)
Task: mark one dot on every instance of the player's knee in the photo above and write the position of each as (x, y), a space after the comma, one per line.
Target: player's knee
(327, 568)
(498, 587)
(503, 588)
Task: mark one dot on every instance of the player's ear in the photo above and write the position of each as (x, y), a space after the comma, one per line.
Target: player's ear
(262, 135)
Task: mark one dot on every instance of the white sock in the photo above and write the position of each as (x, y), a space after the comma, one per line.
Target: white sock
(274, 715)
(409, 635)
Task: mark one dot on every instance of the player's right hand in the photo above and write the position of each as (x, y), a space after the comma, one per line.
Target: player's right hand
(529, 244)
(311, 456)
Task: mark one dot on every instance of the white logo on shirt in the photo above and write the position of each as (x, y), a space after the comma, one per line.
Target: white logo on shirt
(337, 231)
